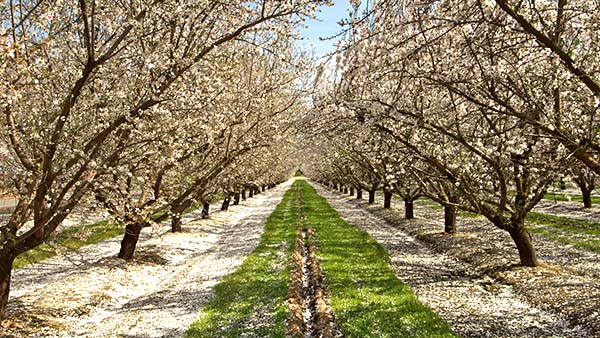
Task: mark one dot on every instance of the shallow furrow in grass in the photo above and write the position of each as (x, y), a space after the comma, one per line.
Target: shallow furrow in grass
(367, 298)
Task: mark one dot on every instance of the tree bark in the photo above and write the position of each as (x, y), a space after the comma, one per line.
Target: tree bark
(587, 198)
(522, 239)
(236, 198)
(250, 192)
(205, 210)
(264, 188)
(6, 263)
(243, 194)
(351, 191)
(387, 199)
(177, 211)
(345, 190)
(176, 223)
(449, 219)
(562, 184)
(225, 204)
(358, 193)
(408, 209)
(130, 239)
(371, 196)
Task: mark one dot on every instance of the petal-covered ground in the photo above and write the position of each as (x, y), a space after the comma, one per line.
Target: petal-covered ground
(91, 293)
(470, 278)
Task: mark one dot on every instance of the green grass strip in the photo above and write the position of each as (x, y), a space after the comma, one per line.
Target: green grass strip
(258, 287)
(427, 202)
(69, 239)
(76, 237)
(578, 233)
(571, 198)
(575, 232)
(367, 298)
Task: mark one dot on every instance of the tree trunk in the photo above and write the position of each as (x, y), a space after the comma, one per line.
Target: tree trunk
(522, 239)
(236, 198)
(408, 209)
(371, 196)
(358, 193)
(587, 198)
(6, 264)
(177, 211)
(351, 191)
(562, 184)
(205, 210)
(243, 194)
(264, 188)
(449, 219)
(176, 223)
(387, 199)
(345, 190)
(250, 192)
(225, 204)
(130, 239)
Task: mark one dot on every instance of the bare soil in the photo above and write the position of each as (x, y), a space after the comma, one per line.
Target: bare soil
(308, 295)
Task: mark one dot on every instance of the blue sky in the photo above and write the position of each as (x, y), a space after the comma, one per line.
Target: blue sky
(325, 25)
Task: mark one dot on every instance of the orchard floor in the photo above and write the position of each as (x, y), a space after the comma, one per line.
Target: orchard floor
(569, 209)
(472, 278)
(91, 293)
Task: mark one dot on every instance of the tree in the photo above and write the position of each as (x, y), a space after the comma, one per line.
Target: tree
(247, 112)
(446, 104)
(585, 179)
(79, 77)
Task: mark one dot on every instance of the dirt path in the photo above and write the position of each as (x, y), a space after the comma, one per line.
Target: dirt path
(90, 293)
(308, 297)
(474, 304)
